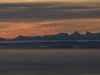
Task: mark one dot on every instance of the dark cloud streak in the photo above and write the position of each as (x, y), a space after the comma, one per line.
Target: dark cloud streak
(47, 11)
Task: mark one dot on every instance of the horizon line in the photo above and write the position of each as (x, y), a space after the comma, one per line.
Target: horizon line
(51, 34)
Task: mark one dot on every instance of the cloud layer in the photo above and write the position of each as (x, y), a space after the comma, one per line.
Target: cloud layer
(48, 11)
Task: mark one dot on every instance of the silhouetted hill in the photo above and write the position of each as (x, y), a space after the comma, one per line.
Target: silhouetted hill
(76, 34)
(2, 39)
(88, 33)
(63, 36)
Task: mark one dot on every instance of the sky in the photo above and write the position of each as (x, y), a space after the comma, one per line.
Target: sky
(46, 17)
(12, 1)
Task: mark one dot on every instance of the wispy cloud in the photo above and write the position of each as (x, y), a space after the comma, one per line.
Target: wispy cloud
(47, 11)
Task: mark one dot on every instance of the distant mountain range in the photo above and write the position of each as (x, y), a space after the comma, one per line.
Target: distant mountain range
(63, 36)
(60, 36)
(75, 40)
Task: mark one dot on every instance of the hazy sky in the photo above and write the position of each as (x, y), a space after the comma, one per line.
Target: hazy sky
(32, 18)
(49, 0)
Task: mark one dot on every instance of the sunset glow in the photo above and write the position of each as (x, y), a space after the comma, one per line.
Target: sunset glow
(13, 1)
(38, 19)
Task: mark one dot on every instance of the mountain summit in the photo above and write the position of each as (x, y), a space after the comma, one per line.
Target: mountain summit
(76, 34)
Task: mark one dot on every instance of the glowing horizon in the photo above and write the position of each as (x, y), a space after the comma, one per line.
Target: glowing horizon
(18, 1)
(37, 19)
(47, 28)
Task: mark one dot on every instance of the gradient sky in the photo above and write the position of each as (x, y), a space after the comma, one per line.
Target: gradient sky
(3, 1)
(44, 17)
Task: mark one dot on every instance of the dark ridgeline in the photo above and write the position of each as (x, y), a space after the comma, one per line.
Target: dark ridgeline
(60, 36)
(63, 36)
(2, 39)
(76, 41)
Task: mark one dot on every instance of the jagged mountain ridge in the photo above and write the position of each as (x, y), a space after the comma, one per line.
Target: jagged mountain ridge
(63, 36)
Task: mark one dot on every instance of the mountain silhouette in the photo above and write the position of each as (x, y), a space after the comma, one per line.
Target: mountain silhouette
(60, 40)
(88, 33)
(2, 39)
(63, 36)
(76, 34)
